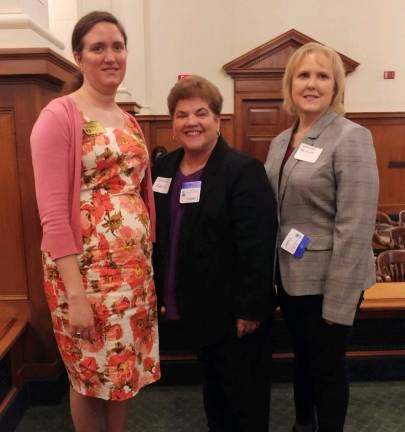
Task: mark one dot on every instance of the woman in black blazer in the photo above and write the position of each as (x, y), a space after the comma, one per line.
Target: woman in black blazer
(216, 228)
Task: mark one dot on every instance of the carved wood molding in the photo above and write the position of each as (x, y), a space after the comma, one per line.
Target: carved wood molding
(46, 64)
(36, 62)
(378, 118)
(130, 107)
(166, 117)
(269, 60)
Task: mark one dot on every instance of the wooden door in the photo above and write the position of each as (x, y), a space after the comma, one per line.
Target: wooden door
(262, 120)
(258, 77)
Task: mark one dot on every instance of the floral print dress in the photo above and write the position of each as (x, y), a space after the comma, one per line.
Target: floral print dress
(116, 269)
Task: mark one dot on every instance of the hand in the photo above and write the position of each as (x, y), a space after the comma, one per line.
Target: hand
(329, 322)
(81, 318)
(244, 327)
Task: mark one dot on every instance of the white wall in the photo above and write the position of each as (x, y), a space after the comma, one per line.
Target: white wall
(201, 37)
(37, 9)
(25, 24)
(371, 32)
(167, 37)
(62, 18)
(186, 36)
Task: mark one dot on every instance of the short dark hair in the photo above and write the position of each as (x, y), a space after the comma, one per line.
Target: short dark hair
(87, 22)
(195, 86)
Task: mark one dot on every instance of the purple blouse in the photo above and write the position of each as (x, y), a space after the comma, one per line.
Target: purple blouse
(176, 216)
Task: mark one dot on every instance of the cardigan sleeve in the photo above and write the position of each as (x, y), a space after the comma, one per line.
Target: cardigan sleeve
(51, 143)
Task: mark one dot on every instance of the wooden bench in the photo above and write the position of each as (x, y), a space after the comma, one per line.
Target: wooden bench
(383, 304)
(384, 300)
(12, 325)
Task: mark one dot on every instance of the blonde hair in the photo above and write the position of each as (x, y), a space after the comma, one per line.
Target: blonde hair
(338, 70)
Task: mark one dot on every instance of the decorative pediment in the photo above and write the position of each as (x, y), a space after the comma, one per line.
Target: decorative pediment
(270, 59)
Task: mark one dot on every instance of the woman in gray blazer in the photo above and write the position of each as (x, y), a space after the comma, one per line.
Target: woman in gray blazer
(324, 175)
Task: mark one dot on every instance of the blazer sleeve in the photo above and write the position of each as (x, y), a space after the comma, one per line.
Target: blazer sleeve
(254, 230)
(50, 148)
(357, 190)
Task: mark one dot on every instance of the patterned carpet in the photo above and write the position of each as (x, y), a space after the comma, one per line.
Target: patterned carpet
(374, 407)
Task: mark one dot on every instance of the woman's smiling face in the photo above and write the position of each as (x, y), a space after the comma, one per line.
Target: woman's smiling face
(313, 86)
(103, 58)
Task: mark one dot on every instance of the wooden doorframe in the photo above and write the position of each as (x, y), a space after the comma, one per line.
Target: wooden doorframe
(258, 73)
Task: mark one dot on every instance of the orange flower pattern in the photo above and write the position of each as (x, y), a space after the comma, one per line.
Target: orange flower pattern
(117, 272)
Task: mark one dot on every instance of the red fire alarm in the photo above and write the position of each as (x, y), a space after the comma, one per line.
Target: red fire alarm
(389, 74)
(183, 76)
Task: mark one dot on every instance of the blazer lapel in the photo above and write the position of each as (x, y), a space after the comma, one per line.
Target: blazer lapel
(310, 139)
(208, 183)
(316, 130)
(289, 165)
(209, 178)
(278, 158)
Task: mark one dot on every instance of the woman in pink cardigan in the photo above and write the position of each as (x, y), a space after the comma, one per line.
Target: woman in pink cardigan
(95, 201)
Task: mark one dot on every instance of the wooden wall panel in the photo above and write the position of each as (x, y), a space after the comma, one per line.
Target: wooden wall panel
(158, 130)
(12, 261)
(261, 122)
(39, 344)
(29, 79)
(388, 131)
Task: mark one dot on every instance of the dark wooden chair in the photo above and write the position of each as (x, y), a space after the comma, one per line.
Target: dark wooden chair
(391, 266)
(381, 241)
(384, 218)
(382, 236)
(397, 235)
(401, 217)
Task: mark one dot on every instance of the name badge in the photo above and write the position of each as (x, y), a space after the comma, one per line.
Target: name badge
(162, 185)
(307, 153)
(190, 192)
(295, 243)
(93, 128)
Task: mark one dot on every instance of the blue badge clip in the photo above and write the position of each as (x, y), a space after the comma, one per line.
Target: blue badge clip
(301, 247)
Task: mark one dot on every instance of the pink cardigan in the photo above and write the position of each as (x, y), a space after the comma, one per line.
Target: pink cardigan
(56, 146)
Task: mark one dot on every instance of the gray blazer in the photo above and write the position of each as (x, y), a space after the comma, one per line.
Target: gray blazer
(334, 202)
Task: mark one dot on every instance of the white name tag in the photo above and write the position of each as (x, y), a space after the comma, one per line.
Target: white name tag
(190, 192)
(307, 153)
(295, 243)
(162, 185)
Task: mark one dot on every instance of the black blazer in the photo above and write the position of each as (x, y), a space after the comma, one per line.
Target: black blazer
(226, 246)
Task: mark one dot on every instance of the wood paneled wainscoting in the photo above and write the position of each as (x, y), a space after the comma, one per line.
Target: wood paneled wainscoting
(29, 79)
(388, 131)
(158, 130)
